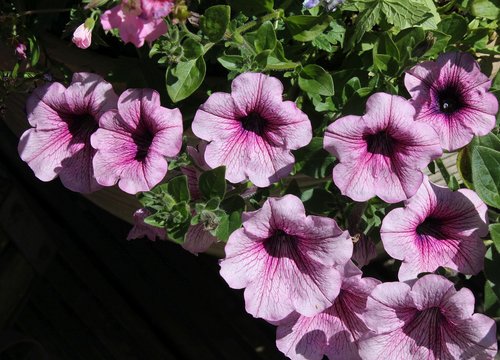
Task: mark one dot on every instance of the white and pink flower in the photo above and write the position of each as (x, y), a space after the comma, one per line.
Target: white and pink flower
(134, 141)
(451, 95)
(63, 121)
(437, 227)
(285, 260)
(382, 152)
(252, 130)
(430, 320)
(336, 331)
(82, 37)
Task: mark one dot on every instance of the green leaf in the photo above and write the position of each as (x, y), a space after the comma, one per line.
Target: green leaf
(184, 78)
(486, 174)
(265, 38)
(306, 28)
(178, 188)
(495, 235)
(253, 7)
(318, 200)
(313, 160)
(192, 49)
(233, 203)
(212, 183)
(214, 22)
(489, 9)
(314, 79)
(491, 266)
(455, 26)
(231, 62)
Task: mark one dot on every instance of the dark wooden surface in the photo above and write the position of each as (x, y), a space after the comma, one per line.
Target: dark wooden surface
(72, 287)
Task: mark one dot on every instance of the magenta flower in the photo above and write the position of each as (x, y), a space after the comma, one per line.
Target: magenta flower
(141, 229)
(452, 96)
(335, 331)
(286, 260)
(63, 120)
(382, 152)
(252, 130)
(21, 51)
(134, 26)
(198, 239)
(82, 37)
(134, 140)
(437, 227)
(430, 320)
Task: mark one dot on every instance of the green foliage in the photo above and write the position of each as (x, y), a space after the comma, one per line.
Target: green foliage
(212, 183)
(486, 174)
(313, 79)
(214, 22)
(306, 28)
(184, 78)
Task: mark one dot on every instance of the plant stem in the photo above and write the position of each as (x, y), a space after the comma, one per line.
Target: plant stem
(189, 33)
(282, 67)
(42, 11)
(251, 24)
(442, 169)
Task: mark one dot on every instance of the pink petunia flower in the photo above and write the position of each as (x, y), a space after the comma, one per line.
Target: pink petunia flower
(198, 239)
(82, 37)
(156, 8)
(452, 96)
(429, 320)
(133, 141)
(335, 331)
(364, 251)
(252, 130)
(382, 152)
(134, 26)
(63, 120)
(141, 229)
(21, 51)
(437, 227)
(286, 260)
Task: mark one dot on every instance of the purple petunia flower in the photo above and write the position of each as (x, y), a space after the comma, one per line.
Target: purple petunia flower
(141, 229)
(330, 5)
(286, 260)
(364, 250)
(429, 320)
(452, 96)
(63, 120)
(133, 142)
(381, 153)
(437, 227)
(334, 332)
(252, 130)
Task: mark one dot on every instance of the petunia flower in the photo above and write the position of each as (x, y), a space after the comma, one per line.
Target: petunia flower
(141, 229)
(252, 130)
(382, 152)
(63, 120)
(286, 260)
(133, 142)
(82, 37)
(21, 51)
(335, 331)
(193, 172)
(451, 95)
(330, 5)
(156, 8)
(364, 250)
(437, 227)
(198, 239)
(429, 320)
(134, 26)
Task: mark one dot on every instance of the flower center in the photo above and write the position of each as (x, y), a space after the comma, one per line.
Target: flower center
(281, 244)
(254, 122)
(450, 100)
(80, 126)
(380, 143)
(142, 138)
(428, 320)
(431, 227)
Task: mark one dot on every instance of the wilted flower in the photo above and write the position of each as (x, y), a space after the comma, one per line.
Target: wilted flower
(133, 142)
(286, 260)
(193, 172)
(63, 121)
(252, 130)
(429, 320)
(156, 8)
(335, 331)
(82, 37)
(382, 152)
(364, 250)
(437, 227)
(141, 229)
(198, 239)
(134, 25)
(21, 51)
(451, 95)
